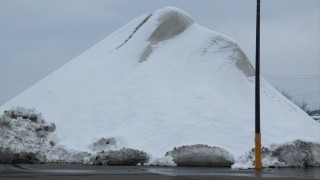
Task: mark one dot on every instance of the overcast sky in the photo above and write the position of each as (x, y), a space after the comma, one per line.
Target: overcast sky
(37, 36)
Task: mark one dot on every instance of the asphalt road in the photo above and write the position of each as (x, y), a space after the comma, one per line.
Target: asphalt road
(73, 171)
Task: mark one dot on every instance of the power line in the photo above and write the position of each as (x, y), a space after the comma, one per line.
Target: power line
(310, 92)
(308, 95)
(293, 77)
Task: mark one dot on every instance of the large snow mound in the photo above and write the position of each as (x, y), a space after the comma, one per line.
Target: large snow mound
(159, 82)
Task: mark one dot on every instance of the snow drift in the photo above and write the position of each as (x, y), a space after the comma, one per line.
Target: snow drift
(294, 154)
(159, 82)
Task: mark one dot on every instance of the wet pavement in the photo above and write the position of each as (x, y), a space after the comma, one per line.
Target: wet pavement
(74, 171)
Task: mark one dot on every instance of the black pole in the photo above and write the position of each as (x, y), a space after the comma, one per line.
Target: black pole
(257, 94)
(258, 69)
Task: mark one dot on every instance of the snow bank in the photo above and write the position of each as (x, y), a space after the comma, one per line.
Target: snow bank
(201, 155)
(124, 156)
(27, 138)
(24, 135)
(295, 154)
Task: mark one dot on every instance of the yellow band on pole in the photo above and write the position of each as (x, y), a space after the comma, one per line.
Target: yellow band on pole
(258, 151)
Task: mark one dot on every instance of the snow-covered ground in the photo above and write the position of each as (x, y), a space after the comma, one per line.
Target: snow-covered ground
(159, 82)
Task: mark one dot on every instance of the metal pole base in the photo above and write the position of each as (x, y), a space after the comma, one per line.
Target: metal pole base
(258, 164)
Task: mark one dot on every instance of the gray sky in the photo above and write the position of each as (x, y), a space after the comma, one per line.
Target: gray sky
(39, 36)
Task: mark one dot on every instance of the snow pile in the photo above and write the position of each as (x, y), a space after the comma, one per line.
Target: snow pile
(124, 156)
(296, 154)
(201, 155)
(24, 136)
(106, 152)
(159, 82)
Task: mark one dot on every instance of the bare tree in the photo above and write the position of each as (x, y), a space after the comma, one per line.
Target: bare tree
(302, 105)
(286, 94)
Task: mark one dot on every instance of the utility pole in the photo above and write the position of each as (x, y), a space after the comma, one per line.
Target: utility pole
(258, 164)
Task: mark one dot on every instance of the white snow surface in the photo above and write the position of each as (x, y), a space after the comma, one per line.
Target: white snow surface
(193, 86)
